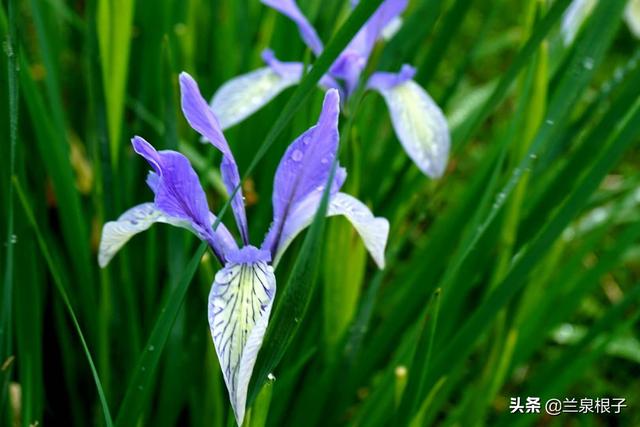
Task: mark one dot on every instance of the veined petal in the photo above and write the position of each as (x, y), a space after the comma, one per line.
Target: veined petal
(374, 231)
(419, 123)
(242, 96)
(201, 118)
(240, 302)
(139, 218)
(632, 16)
(290, 9)
(305, 167)
(135, 220)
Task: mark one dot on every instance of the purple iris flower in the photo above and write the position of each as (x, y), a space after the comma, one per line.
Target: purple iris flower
(243, 290)
(419, 123)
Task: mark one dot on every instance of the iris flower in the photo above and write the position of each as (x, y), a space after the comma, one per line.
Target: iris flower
(419, 123)
(244, 289)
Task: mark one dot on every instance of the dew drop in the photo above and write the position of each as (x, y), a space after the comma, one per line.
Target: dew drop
(271, 377)
(151, 348)
(324, 161)
(306, 140)
(587, 63)
(533, 156)
(295, 319)
(140, 388)
(550, 122)
(296, 156)
(13, 239)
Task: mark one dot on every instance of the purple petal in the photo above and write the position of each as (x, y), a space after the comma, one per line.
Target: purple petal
(353, 59)
(383, 80)
(202, 119)
(290, 9)
(305, 167)
(179, 195)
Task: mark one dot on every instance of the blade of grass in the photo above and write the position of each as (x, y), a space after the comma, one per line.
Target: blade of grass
(295, 298)
(114, 24)
(6, 338)
(138, 391)
(459, 347)
(63, 294)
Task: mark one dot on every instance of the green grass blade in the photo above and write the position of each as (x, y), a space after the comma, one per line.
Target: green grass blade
(6, 336)
(515, 279)
(65, 298)
(295, 298)
(138, 391)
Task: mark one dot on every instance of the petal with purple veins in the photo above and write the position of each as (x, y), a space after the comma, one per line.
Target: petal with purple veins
(240, 303)
(139, 218)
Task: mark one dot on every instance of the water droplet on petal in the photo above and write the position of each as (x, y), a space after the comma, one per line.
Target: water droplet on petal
(306, 139)
(324, 161)
(296, 156)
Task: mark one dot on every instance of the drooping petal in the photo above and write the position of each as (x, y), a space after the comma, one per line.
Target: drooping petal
(417, 120)
(574, 17)
(242, 96)
(632, 16)
(139, 218)
(239, 306)
(290, 9)
(202, 119)
(374, 231)
(305, 166)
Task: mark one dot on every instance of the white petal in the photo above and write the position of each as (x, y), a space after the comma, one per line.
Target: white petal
(139, 218)
(374, 231)
(242, 96)
(420, 126)
(573, 19)
(632, 16)
(392, 28)
(239, 306)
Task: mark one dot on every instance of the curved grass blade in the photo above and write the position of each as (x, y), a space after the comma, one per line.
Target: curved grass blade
(65, 298)
(138, 391)
(6, 338)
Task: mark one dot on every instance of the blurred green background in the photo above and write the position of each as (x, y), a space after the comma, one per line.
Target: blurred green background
(516, 274)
